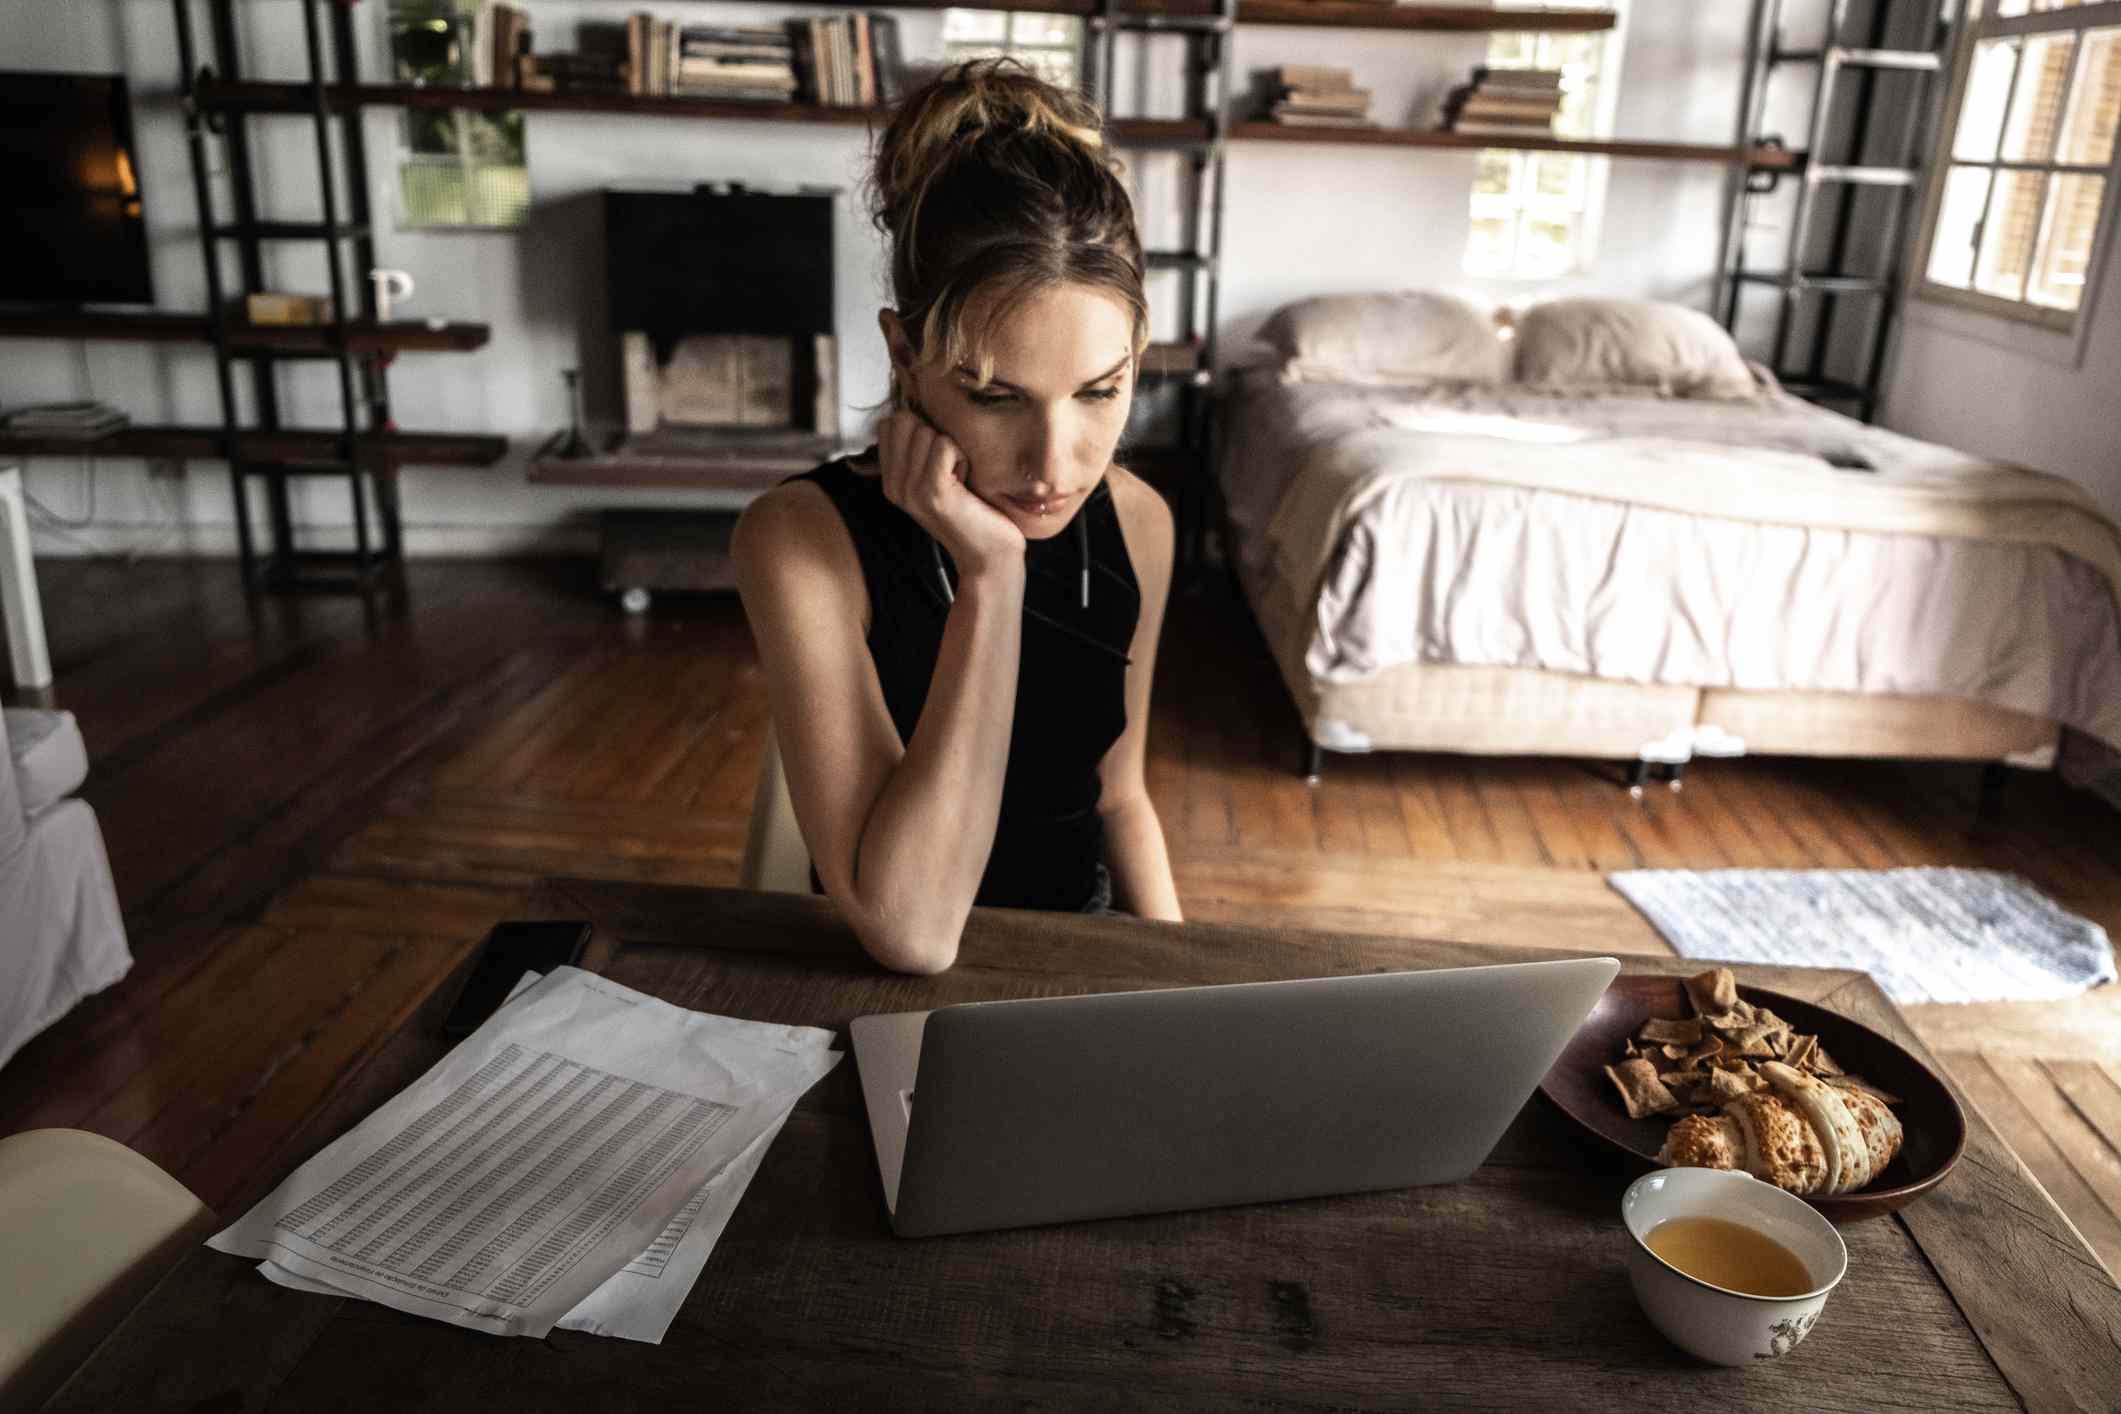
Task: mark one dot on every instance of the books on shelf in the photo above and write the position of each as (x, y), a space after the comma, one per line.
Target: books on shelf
(651, 53)
(1536, 80)
(1484, 128)
(890, 59)
(579, 73)
(264, 307)
(1319, 120)
(504, 37)
(1355, 100)
(1317, 95)
(1321, 77)
(714, 61)
(848, 60)
(1505, 103)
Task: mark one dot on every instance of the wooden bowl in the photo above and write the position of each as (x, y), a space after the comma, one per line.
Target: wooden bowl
(1933, 1127)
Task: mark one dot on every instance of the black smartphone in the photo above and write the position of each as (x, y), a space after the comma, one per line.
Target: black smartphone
(509, 951)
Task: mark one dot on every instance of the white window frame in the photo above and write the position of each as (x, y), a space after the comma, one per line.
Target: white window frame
(2029, 327)
(1592, 172)
(1071, 47)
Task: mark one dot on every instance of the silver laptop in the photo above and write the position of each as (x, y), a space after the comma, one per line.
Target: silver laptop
(1007, 1114)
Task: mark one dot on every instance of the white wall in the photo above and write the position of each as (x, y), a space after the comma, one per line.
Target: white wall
(1299, 220)
(1977, 382)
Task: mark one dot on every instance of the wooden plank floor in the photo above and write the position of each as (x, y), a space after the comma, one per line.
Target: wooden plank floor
(315, 808)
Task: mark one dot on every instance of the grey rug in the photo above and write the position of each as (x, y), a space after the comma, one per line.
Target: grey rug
(1926, 935)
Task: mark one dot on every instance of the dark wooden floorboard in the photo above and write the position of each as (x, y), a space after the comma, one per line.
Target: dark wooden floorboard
(315, 808)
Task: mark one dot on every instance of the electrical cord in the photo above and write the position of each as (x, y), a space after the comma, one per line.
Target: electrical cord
(63, 527)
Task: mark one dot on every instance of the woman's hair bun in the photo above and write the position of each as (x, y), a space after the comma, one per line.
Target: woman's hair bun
(968, 108)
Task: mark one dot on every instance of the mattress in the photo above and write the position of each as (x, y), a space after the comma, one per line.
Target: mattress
(1759, 545)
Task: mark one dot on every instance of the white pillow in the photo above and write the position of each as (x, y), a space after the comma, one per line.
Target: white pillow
(1604, 343)
(1407, 336)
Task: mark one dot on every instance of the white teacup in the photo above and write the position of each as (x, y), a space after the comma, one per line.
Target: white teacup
(1720, 1325)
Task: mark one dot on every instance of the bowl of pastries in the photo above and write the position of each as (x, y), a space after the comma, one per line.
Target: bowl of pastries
(1702, 1072)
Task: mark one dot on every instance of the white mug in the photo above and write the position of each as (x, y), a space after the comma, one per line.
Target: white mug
(391, 286)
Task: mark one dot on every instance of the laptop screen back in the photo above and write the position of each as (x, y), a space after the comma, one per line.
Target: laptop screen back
(1078, 1107)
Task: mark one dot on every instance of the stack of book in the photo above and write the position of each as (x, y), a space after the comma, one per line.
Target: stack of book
(651, 54)
(1308, 95)
(849, 60)
(713, 62)
(601, 66)
(1505, 103)
(69, 422)
(503, 47)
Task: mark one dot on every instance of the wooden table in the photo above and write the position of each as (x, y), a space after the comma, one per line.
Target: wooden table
(1508, 1290)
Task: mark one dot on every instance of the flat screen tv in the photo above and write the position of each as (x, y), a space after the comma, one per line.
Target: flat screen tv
(74, 232)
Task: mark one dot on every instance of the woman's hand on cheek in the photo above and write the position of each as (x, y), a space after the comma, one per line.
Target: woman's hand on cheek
(926, 475)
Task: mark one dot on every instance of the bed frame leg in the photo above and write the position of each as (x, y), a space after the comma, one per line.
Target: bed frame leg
(1314, 761)
(1674, 775)
(1638, 773)
(1994, 777)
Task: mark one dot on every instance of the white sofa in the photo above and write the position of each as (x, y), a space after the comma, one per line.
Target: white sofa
(61, 935)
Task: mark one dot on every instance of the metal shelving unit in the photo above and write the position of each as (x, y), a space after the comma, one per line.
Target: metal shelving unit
(1187, 462)
(1844, 153)
(369, 471)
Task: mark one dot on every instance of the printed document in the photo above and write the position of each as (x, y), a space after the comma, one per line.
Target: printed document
(571, 1162)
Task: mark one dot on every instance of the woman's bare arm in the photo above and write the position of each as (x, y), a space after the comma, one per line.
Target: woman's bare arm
(1134, 837)
(900, 832)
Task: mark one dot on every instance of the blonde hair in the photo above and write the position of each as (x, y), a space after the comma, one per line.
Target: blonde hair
(992, 184)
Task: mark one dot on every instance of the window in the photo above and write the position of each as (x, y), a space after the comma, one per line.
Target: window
(456, 168)
(1050, 45)
(1534, 214)
(2015, 219)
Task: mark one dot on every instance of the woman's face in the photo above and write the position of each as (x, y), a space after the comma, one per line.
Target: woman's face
(1040, 436)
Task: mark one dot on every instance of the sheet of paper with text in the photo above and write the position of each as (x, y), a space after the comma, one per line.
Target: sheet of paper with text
(569, 1163)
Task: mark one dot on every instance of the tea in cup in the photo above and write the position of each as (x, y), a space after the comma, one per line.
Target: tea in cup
(1729, 1268)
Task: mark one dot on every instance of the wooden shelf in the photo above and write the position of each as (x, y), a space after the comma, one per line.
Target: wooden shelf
(1457, 18)
(1334, 14)
(1125, 131)
(277, 96)
(398, 336)
(393, 449)
(294, 97)
(156, 326)
(1764, 158)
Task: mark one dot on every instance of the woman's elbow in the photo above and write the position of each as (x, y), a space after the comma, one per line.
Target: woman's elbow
(927, 963)
(920, 956)
(921, 947)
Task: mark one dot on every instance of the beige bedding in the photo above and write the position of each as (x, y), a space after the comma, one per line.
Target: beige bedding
(1675, 541)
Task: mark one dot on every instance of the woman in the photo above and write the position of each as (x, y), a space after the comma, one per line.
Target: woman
(958, 627)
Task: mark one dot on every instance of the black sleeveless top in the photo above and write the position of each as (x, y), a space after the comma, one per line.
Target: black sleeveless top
(1070, 683)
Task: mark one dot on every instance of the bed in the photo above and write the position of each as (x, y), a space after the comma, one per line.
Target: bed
(1613, 537)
